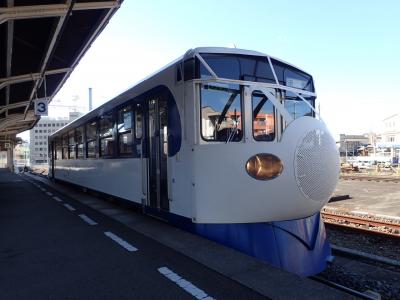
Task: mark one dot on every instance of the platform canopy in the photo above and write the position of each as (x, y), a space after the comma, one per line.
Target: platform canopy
(41, 42)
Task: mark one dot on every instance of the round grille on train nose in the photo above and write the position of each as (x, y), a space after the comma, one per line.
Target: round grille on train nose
(316, 165)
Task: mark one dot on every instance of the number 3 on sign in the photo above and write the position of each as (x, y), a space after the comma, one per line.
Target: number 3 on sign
(40, 107)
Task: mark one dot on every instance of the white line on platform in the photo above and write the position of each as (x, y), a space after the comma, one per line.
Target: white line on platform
(184, 284)
(57, 199)
(87, 219)
(120, 241)
(50, 194)
(69, 207)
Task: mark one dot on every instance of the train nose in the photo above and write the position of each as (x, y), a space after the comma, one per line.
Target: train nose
(316, 159)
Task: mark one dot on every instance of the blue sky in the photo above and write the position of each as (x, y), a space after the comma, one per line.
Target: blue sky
(352, 49)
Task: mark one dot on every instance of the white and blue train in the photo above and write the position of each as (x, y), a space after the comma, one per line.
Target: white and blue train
(223, 142)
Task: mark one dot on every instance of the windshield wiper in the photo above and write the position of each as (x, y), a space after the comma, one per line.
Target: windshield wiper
(226, 107)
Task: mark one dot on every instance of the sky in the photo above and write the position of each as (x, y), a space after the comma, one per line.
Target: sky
(351, 48)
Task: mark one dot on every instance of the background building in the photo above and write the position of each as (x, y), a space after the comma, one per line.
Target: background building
(388, 138)
(351, 144)
(390, 130)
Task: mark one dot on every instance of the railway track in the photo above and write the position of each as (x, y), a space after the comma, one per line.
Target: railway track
(394, 179)
(364, 224)
(361, 274)
(350, 291)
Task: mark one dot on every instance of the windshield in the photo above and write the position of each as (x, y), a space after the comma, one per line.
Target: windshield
(221, 112)
(248, 68)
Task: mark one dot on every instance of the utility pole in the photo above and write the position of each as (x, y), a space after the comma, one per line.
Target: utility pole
(90, 99)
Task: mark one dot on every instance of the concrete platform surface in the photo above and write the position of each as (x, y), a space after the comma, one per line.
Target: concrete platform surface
(382, 198)
(50, 252)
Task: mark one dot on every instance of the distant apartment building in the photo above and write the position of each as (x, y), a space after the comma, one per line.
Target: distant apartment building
(389, 134)
(388, 138)
(39, 136)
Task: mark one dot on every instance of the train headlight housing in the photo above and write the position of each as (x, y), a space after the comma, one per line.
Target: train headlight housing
(264, 166)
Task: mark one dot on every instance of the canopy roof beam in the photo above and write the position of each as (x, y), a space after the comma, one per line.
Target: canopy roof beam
(10, 38)
(50, 10)
(29, 77)
(13, 105)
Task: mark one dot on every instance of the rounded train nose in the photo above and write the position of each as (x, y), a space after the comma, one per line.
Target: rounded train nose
(316, 163)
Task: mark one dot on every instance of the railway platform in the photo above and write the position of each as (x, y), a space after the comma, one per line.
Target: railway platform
(60, 243)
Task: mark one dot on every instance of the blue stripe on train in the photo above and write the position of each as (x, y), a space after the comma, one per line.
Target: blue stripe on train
(298, 246)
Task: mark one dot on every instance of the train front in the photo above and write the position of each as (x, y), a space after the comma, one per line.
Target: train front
(264, 162)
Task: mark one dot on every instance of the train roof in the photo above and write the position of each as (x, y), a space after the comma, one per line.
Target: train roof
(189, 54)
(237, 51)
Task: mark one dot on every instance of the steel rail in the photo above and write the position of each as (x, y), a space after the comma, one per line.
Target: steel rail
(334, 219)
(343, 251)
(343, 288)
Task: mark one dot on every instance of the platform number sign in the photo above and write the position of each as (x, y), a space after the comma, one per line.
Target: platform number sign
(41, 107)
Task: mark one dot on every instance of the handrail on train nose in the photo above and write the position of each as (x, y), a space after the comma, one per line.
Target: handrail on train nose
(281, 109)
(309, 105)
(278, 105)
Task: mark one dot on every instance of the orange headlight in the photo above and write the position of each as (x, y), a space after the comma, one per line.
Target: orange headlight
(263, 166)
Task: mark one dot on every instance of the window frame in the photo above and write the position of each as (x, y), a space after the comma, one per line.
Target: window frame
(64, 142)
(58, 147)
(71, 146)
(253, 119)
(112, 135)
(138, 107)
(91, 139)
(130, 131)
(80, 143)
(242, 113)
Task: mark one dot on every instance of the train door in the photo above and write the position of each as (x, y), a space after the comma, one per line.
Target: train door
(157, 132)
(52, 157)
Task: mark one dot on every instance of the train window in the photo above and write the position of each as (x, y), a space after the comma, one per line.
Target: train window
(91, 137)
(65, 146)
(292, 77)
(263, 118)
(58, 154)
(91, 149)
(138, 121)
(178, 72)
(296, 107)
(106, 127)
(221, 112)
(189, 68)
(79, 134)
(71, 144)
(124, 127)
